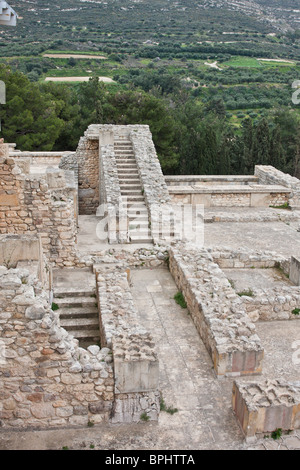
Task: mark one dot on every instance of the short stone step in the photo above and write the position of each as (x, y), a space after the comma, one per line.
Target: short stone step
(76, 302)
(78, 312)
(137, 239)
(124, 173)
(80, 323)
(61, 292)
(130, 181)
(130, 186)
(142, 225)
(86, 335)
(129, 192)
(125, 160)
(126, 166)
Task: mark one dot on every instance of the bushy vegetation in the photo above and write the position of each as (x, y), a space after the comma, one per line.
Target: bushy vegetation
(192, 136)
(205, 118)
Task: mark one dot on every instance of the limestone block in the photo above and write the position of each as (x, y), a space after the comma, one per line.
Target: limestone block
(265, 406)
(295, 271)
(9, 200)
(135, 369)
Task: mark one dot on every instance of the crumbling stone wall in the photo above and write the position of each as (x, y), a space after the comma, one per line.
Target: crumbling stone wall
(269, 175)
(217, 311)
(46, 380)
(44, 204)
(136, 367)
(87, 156)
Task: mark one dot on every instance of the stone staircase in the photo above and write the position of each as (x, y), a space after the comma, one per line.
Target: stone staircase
(132, 192)
(78, 313)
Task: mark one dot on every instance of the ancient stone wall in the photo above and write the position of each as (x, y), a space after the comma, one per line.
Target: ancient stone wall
(270, 175)
(46, 380)
(87, 156)
(228, 197)
(218, 313)
(136, 367)
(280, 303)
(44, 204)
(152, 179)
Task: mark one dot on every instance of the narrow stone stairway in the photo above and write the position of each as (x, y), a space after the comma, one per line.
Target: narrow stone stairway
(78, 313)
(132, 191)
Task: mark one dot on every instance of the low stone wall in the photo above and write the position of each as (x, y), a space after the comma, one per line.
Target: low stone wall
(152, 179)
(273, 304)
(208, 180)
(270, 175)
(262, 407)
(267, 304)
(218, 313)
(230, 196)
(136, 367)
(240, 258)
(46, 379)
(41, 158)
(154, 257)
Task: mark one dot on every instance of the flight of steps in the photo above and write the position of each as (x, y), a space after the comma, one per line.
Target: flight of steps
(131, 189)
(78, 313)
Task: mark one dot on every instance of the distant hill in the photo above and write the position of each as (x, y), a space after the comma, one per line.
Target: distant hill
(93, 24)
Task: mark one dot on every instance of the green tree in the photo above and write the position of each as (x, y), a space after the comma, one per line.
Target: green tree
(29, 117)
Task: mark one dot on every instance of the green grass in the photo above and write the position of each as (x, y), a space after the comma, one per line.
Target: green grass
(276, 434)
(167, 409)
(296, 311)
(144, 417)
(285, 206)
(248, 293)
(179, 299)
(54, 306)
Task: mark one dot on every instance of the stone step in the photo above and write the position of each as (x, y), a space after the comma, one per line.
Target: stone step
(80, 323)
(128, 186)
(126, 166)
(91, 336)
(137, 239)
(130, 192)
(125, 159)
(130, 181)
(61, 292)
(78, 312)
(124, 173)
(76, 302)
(143, 224)
(131, 200)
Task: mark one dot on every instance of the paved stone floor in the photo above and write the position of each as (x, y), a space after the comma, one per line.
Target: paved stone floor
(280, 237)
(245, 278)
(204, 420)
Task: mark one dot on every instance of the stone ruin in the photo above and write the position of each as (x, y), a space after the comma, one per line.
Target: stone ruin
(48, 376)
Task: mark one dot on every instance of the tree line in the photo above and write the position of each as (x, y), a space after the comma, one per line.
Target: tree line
(191, 136)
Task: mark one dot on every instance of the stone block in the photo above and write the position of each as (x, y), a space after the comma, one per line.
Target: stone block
(266, 406)
(9, 200)
(295, 271)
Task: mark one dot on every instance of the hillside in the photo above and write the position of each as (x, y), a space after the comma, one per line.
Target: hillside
(96, 24)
